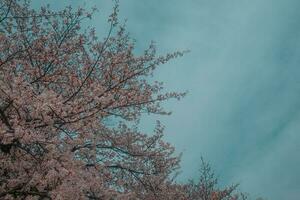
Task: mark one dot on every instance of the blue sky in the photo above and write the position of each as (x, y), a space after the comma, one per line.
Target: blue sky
(242, 74)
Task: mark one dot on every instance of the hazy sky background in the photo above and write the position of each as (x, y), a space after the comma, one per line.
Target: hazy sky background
(242, 110)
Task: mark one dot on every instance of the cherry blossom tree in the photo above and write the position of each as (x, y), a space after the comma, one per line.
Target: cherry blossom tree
(206, 187)
(59, 84)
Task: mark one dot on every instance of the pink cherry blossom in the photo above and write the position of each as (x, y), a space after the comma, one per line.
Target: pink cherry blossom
(59, 88)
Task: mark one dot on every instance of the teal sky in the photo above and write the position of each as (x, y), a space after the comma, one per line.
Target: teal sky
(242, 110)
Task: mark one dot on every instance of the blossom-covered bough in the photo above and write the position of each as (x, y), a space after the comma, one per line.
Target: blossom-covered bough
(58, 85)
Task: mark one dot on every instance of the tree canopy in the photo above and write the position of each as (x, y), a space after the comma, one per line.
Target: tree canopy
(58, 85)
